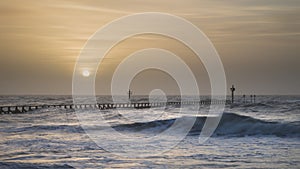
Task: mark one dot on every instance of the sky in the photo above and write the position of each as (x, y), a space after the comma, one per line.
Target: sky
(257, 40)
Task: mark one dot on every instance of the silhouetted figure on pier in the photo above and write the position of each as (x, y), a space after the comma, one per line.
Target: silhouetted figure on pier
(244, 98)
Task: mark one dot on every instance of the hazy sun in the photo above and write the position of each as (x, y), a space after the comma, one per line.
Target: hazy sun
(86, 73)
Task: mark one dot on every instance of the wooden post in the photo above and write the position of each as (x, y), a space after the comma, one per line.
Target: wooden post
(129, 94)
(232, 93)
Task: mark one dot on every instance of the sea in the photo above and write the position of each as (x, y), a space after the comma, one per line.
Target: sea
(260, 134)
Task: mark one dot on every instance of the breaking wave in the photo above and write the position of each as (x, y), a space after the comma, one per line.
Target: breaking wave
(231, 124)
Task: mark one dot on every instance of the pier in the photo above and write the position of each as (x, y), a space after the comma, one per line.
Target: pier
(104, 106)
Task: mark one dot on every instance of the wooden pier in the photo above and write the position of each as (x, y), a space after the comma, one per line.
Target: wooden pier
(104, 106)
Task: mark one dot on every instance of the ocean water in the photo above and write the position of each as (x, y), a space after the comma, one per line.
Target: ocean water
(264, 134)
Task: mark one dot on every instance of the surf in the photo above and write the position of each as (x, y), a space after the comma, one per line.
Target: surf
(231, 124)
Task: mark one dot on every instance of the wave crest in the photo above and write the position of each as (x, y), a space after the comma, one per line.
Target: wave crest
(231, 124)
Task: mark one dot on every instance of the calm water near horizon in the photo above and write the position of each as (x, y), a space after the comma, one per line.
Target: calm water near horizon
(264, 134)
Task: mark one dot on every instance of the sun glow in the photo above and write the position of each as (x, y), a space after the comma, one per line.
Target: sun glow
(85, 73)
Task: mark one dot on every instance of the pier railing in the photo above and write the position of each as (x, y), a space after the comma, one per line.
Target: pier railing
(104, 106)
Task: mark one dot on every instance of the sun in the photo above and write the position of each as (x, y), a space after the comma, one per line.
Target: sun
(85, 73)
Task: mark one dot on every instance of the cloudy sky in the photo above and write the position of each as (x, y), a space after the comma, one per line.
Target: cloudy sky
(257, 40)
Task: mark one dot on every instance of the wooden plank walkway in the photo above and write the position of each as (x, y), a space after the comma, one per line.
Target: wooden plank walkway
(104, 106)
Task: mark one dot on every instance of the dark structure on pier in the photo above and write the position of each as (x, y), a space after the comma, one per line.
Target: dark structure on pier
(104, 106)
(232, 93)
(129, 94)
